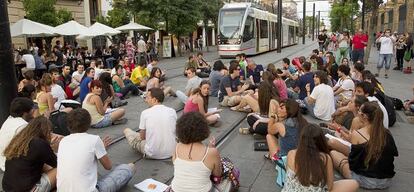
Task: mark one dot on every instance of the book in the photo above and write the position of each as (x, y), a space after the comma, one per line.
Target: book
(212, 110)
(261, 146)
(348, 144)
(151, 185)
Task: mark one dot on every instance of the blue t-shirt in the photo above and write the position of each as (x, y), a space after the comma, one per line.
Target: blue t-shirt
(291, 69)
(84, 89)
(227, 81)
(301, 83)
(215, 78)
(290, 140)
(255, 73)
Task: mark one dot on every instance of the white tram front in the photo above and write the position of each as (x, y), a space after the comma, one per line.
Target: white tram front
(246, 29)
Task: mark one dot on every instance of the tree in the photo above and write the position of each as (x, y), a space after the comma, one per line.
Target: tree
(373, 7)
(342, 13)
(210, 10)
(43, 11)
(117, 16)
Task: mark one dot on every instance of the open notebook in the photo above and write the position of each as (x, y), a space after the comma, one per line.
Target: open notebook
(151, 185)
(348, 144)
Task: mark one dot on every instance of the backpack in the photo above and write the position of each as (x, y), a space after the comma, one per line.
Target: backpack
(398, 104)
(58, 120)
(389, 106)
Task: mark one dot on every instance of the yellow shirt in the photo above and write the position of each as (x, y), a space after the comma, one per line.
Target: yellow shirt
(139, 73)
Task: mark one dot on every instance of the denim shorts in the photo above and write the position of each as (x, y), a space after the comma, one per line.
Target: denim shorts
(105, 122)
(371, 183)
(116, 179)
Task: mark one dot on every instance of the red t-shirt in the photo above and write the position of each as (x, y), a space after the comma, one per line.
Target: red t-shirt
(357, 41)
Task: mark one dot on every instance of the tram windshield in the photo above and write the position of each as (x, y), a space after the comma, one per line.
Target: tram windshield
(230, 23)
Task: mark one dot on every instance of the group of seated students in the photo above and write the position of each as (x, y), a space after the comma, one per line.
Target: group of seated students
(275, 99)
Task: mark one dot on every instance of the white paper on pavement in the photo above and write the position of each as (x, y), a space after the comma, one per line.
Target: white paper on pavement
(110, 110)
(212, 110)
(151, 185)
(348, 144)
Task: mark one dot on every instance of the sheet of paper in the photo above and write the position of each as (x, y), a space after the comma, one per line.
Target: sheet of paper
(151, 185)
(211, 110)
(338, 139)
(110, 110)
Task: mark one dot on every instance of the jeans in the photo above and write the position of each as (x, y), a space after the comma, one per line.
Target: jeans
(181, 96)
(261, 128)
(357, 55)
(116, 179)
(309, 107)
(129, 88)
(400, 58)
(110, 62)
(384, 59)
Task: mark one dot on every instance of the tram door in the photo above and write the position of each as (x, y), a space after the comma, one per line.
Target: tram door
(257, 35)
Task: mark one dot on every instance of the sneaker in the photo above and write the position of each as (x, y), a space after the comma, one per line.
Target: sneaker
(396, 68)
(376, 75)
(386, 76)
(244, 130)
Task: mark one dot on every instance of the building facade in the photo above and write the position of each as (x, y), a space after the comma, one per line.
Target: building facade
(83, 11)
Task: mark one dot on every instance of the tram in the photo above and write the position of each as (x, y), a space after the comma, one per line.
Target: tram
(244, 28)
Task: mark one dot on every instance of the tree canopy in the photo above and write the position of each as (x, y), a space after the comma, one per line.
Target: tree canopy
(117, 16)
(43, 11)
(342, 13)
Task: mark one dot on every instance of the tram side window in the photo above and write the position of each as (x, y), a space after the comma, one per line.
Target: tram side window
(248, 32)
(263, 29)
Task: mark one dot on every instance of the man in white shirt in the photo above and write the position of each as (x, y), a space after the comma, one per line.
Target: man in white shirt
(21, 112)
(29, 60)
(367, 90)
(321, 103)
(345, 86)
(156, 138)
(78, 74)
(386, 51)
(78, 157)
(142, 50)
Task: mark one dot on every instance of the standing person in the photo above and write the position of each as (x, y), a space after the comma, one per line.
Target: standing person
(386, 51)
(310, 168)
(321, 102)
(142, 51)
(194, 162)
(359, 42)
(200, 43)
(343, 44)
(21, 112)
(400, 47)
(409, 42)
(371, 158)
(29, 60)
(31, 162)
(230, 87)
(198, 102)
(322, 38)
(156, 138)
(78, 157)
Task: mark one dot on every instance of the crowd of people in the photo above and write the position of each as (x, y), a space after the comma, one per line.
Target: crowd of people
(353, 138)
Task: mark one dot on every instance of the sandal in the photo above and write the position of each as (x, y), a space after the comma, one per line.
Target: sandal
(244, 130)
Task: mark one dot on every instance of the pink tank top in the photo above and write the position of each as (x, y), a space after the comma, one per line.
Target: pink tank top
(190, 106)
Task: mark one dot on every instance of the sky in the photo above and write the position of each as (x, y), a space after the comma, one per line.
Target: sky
(322, 6)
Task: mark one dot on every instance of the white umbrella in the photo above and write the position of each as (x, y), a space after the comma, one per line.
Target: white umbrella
(28, 28)
(133, 27)
(71, 28)
(99, 29)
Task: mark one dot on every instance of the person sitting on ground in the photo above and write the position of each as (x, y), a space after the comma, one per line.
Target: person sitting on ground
(98, 66)
(78, 74)
(370, 160)
(321, 102)
(281, 87)
(30, 157)
(409, 104)
(28, 79)
(122, 84)
(155, 81)
(190, 63)
(123, 74)
(366, 89)
(198, 102)
(219, 71)
(268, 101)
(156, 138)
(369, 77)
(21, 112)
(202, 64)
(78, 157)
(154, 63)
(331, 67)
(56, 90)
(310, 168)
(345, 61)
(316, 63)
(192, 83)
(140, 75)
(241, 59)
(127, 65)
(85, 84)
(288, 70)
(345, 86)
(71, 89)
(109, 92)
(286, 123)
(101, 116)
(230, 87)
(254, 73)
(306, 78)
(345, 116)
(357, 70)
(194, 162)
(44, 97)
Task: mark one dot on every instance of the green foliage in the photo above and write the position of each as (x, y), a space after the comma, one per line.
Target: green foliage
(342, 13)
(210, 10)
(43, 11)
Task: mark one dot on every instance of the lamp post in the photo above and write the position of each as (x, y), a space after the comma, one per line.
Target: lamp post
(304, 22)
(8, 88)
(363, 15)
(279, 22)
(313, 23)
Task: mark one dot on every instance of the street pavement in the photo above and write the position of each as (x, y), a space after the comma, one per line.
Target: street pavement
(257, 174)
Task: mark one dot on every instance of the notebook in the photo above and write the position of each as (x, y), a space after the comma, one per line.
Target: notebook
(151, 185)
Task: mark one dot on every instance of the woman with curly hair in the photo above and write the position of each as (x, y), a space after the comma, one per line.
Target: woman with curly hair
(30, 158)
(193, 161)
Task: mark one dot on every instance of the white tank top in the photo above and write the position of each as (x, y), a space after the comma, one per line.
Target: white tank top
(191, 176)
